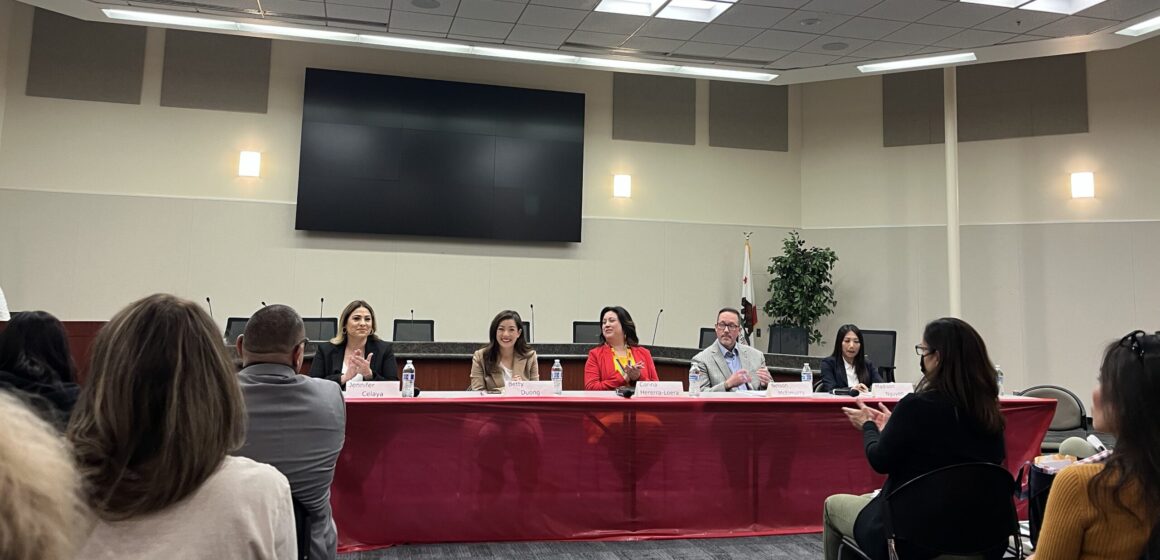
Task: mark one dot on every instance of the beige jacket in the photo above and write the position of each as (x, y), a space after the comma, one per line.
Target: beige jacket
(523, 369)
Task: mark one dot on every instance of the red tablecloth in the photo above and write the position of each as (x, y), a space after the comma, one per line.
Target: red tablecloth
(497, 468)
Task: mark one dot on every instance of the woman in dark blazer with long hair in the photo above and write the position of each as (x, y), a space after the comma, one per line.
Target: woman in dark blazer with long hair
(356, 353)
(848, 363)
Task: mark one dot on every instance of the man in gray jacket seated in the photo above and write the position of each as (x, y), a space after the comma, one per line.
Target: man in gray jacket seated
(296, 423)
(727, 365)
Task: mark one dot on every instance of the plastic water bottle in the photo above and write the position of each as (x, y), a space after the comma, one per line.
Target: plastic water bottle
(999, 379)
(409, 379)
(557, 378)
(808, 375)
(694, 380)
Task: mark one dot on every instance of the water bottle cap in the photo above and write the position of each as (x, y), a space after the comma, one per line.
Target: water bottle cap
(408, 361)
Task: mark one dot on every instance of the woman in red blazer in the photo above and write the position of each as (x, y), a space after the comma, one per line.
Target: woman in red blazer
(620, 360)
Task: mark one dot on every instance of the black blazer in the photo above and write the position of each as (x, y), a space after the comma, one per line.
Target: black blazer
(328, 361)
(834, 374)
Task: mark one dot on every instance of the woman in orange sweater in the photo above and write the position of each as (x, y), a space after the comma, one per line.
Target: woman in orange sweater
(1106, 511)
(620, 359)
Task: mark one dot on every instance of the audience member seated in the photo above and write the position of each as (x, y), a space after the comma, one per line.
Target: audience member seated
(620, 360)
(36, 365)
(158, 415)
(727, 365)
(296, 423)
(1106, 506)
(847, 367)
(953, 417)
(356, 353)
(41, 514)
(507, 356)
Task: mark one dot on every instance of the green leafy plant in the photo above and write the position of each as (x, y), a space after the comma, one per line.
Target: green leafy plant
(801, 291)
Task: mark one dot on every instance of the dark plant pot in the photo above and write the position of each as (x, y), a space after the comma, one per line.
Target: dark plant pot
(789, 340)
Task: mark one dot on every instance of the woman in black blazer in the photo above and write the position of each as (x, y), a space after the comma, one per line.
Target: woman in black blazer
(848, 352)
(356, 351)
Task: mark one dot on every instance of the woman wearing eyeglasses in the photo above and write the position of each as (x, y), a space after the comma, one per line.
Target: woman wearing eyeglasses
(620, 359)
(847, 366)
(952, 417)
(1106, 507)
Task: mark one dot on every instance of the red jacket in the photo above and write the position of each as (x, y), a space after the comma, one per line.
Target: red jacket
(600, 372)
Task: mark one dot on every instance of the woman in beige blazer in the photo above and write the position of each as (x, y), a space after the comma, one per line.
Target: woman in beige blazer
(507, 357)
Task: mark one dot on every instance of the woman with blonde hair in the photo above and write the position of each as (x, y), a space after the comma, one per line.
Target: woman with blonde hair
(356, 353)
(157, 418)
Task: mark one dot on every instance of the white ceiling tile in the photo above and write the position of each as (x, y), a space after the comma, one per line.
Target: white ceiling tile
(549, 36)
(693, 48)
(470, 39)
(931, 50)
(489, 10)
(1018, 21)
(964, 15)
(921, 34)
(603, 22)
(805, 21)
(973, 38)
(436, 7)
(867, 28)
(835, 46)
(726, 34)
(752, 16)
(296, 7)
(755, 54)
(671, 28)
(413, 21)
(848, 7)
(905, 10)
(1120, 10)
(480, 28)
(849, 59)
(573, 4)
(781, 40)
(596, 39)
(802, 60)
(883, 49)
(380, 27)
(357, 13)
(1024, 39)
(382, 4)
(1073, 25)
(792, 4)
(238, 4)
(652, 44)
(547, 16)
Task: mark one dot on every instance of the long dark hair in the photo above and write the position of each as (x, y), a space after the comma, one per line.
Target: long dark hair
(35, 346)
(491, 351)
(1130, 392)
(859, 359)
(964, 373)
(626, 325)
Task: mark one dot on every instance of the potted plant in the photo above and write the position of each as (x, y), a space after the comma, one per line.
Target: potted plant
(801, 292)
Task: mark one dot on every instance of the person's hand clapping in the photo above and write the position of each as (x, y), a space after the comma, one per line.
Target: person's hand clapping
(739, 377)
(762, 375)
(632, 371)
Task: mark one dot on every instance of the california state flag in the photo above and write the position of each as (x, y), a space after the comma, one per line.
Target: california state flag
(748, 309)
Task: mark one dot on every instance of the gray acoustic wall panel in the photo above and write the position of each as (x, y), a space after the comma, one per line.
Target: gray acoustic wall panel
(76, 59)
(220, 72)
(654, 109)
(912, 108)
(749, 116)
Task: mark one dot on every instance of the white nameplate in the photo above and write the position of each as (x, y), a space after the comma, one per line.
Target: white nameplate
(529, 389)
(892, 390)
(373, 390)
(792, 389)
(659, 389)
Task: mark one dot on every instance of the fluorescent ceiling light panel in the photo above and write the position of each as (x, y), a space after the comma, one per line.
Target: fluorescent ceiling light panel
(693, 10)
(299, 32)
(727, 74)
(942, 60)
(626, 64)
(415, 44)
(1143, 28)
(1002, 3)
(168, 19)
(630, 7)
(1060, 6)
(524, 55)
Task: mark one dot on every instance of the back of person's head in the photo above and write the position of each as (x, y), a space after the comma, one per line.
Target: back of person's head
(964, 373)
(1128, 398)
(273, 329)
(41, 514)
(35, 346)
(159, 411)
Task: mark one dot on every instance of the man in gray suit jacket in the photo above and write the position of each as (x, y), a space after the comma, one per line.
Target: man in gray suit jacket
(728, 366)
(296, 423)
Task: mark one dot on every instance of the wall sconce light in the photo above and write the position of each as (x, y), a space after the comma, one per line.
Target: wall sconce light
(250, 164)
(1083, 184)
(622, 186)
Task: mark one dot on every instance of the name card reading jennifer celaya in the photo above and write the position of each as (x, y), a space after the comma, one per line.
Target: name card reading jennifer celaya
(658, 389)
(373, 390)
(892, 390)
(791, 389)
(529, 389)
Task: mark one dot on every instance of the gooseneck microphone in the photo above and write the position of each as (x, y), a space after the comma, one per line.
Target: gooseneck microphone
(532, 323)
(263, 304)
(412, 316)
(657, 325)
(210, 304)
(318, 331)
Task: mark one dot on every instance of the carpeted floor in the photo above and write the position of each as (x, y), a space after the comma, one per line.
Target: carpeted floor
(787, 546)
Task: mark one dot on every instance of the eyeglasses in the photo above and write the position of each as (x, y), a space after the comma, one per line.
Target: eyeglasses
(922, 350)
(727, 326)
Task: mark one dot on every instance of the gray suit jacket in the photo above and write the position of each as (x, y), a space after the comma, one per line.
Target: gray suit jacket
(297, 424)
(711, 361)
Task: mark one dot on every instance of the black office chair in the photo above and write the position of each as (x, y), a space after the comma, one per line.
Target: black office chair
(708, 336)
(235, 327)
(301, 529)
(414, 330)
(320, 328)
(1070, 417)
(585, 332)
(879, 347)
(964, 510)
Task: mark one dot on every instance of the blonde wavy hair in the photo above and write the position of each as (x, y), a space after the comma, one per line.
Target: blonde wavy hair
(160, 410)
(41, 512)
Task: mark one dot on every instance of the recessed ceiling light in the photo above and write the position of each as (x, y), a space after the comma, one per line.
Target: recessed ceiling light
(1060, 6)
(630, 7)
(524, 55)
(1002, 3)
(414, 44)
(693, 10)
(921, 62)
(726, 73)
(1143, 28)
(626, 64)
(300, 32)
(167, 19)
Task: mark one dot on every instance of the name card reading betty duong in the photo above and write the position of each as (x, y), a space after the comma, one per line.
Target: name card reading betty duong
(658, 389)
(373, 390)
(529, 389)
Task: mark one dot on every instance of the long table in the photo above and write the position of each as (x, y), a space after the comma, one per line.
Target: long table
(594, 466)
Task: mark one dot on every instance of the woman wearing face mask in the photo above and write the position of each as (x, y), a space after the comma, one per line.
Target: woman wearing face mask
(356, 353)
(620, 359)
(952, 417)
(507, 356)
(847, 367)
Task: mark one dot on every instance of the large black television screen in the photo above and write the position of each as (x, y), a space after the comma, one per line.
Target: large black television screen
(394, 155)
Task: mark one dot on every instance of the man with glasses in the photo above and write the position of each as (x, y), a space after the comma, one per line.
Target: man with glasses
(296, 423)
(728, 366)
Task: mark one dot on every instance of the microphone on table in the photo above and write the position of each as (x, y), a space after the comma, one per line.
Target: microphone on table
(318, 331)
(210, 304)
(532, 323)
(845, 392)
(656, 325)
(412, 316)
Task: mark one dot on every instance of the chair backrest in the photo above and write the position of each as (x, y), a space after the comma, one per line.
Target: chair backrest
(1069, 411)
(301, 529)
(320, 328)
(235, 327)
(879, 346)
(414, 330)
(527, 326)
(586, 332)
(708, 336)
(788, 340)
(964, 509)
